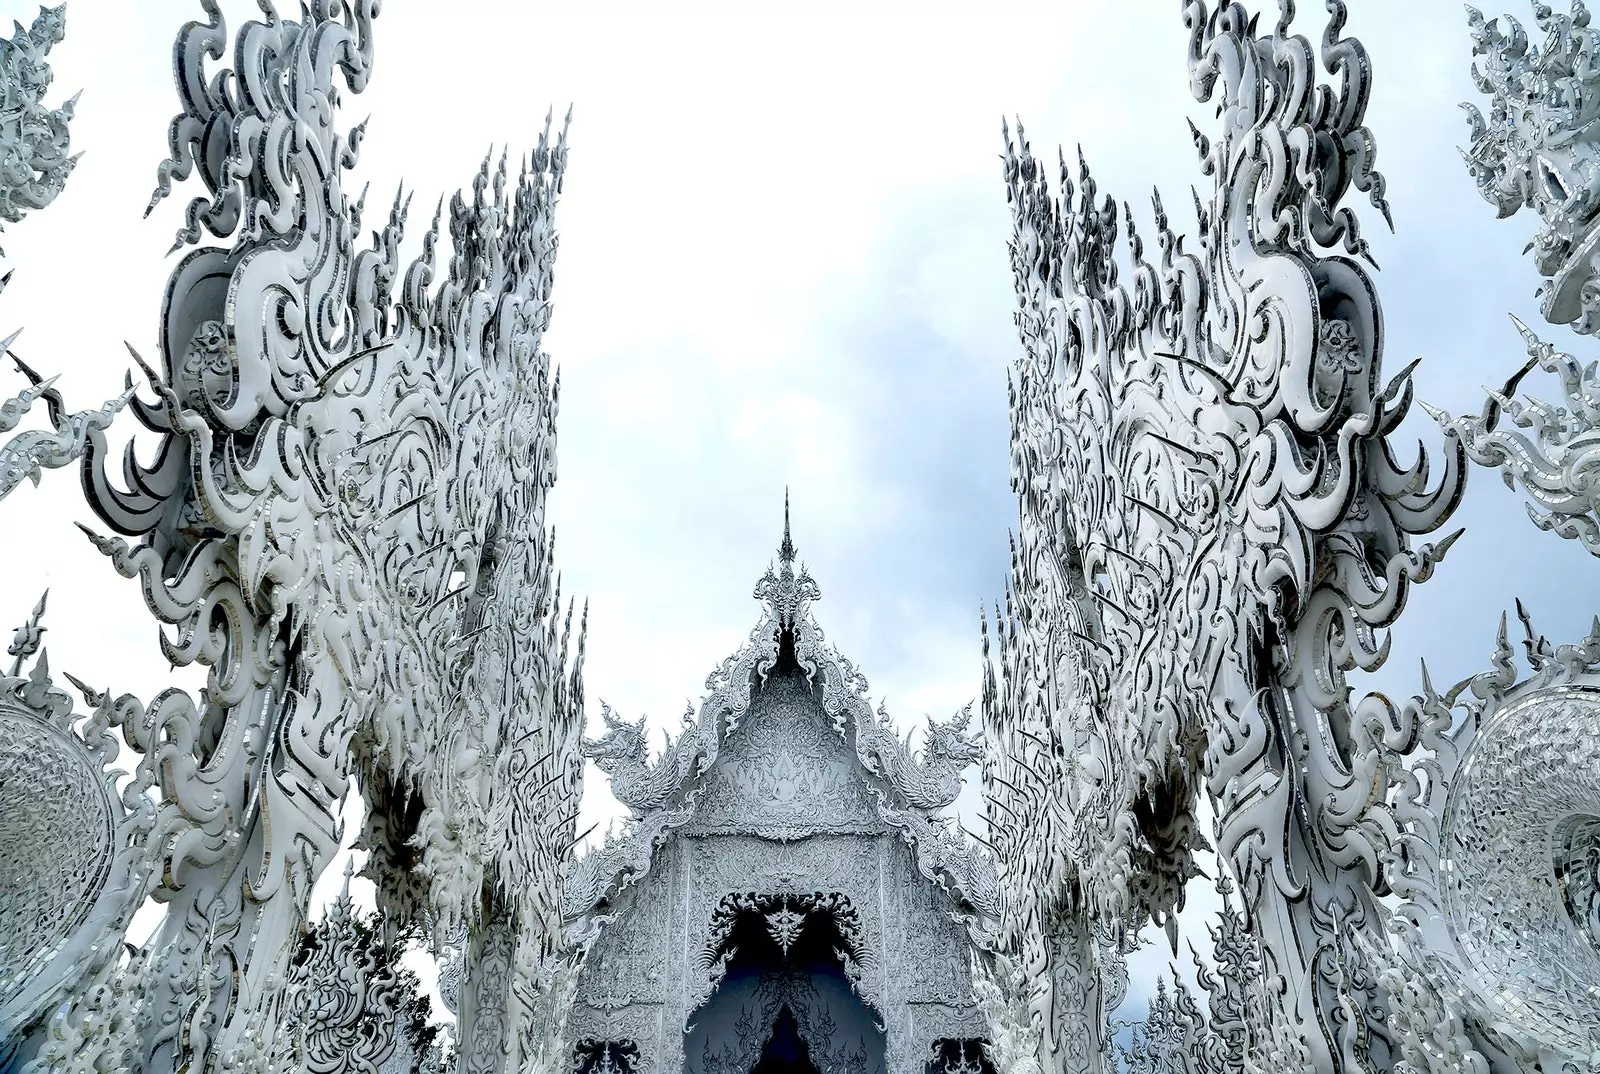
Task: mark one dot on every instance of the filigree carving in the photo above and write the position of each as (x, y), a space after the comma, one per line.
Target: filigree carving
(636, 1024)
(605, 1057)
(1538, 149)
(73, 860)
(959, 1057)
(785, 914)
(344, 521)
(1242, 1027)
(627, 963)
(34, 141)
(672, 794)
(351, 1007)
(1497, 803)
(785, 924)
(788, 1005)
(1213, 531)
(786, 773)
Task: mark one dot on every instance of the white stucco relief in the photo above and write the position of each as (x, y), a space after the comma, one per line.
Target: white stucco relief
(790, 810)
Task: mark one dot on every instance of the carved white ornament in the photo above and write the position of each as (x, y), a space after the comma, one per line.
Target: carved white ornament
(344, 522)
(1213, 531)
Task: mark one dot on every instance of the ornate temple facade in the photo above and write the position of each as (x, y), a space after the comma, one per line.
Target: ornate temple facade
(786, 891)
(342, 520)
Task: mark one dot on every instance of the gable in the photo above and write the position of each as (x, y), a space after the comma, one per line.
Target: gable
(785, 747)
(785, 772)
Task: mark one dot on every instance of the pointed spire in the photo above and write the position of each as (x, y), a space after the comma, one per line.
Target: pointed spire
(786, 549)
(785, 590)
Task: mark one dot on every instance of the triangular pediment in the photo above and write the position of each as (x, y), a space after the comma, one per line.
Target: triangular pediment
(786, 772)
(785, 746)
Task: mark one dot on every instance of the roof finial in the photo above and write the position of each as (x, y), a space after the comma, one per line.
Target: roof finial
(786, 549)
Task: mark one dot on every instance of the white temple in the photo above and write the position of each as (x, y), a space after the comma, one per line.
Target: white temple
(787, 895)
(343, 520)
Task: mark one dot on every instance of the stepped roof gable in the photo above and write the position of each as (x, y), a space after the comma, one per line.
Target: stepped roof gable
(787, 654)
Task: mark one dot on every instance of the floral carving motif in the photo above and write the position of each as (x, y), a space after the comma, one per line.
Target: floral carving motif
(352, 1009)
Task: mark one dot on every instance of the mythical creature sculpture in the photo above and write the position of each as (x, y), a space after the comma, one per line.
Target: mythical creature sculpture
(344, 521)
(948, 750)
(1538, 149)
(623, 755)
(1213, 532)
(34, 141)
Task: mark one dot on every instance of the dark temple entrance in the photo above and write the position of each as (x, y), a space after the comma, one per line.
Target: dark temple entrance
(785, 1052)
(786, 1005)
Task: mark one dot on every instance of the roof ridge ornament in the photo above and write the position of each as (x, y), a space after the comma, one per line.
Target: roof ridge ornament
(787, 593)
(786, 549)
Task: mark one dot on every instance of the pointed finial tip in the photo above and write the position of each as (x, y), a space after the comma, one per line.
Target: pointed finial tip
(786, 549)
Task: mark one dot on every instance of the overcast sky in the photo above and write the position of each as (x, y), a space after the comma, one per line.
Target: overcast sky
(783, 264)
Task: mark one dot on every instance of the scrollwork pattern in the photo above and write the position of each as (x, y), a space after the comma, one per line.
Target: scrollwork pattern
(1213, 531)
(344, 521)
(74, 862)
(35, 144)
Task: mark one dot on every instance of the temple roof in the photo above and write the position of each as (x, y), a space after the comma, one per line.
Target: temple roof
(910, 791)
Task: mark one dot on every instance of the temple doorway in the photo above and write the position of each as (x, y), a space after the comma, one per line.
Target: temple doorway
(785, 1051)
(785, 1004)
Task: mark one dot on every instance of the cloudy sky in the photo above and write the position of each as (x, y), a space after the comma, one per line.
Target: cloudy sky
(783, 264)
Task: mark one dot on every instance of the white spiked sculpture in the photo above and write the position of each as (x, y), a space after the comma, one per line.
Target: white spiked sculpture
(344, 521)
(34, 166)
(1213, 531)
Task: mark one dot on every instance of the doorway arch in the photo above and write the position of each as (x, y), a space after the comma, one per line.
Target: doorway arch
(785, 1003)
